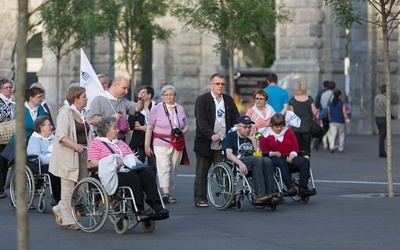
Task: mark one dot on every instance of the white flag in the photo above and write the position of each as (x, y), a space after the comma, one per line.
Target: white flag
(89, 80)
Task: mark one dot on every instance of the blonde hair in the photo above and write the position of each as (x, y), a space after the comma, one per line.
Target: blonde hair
(300, 88)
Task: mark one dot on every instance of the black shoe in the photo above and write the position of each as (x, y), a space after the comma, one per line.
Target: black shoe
(290, 192)
(332, 150)
(307, 192)
(383, 155)
(161, 214)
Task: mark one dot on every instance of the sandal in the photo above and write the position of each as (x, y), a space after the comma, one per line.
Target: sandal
(58, 218)
(73, 227)
(2, 195)
(168, 199)
(165, 198)
(202, 204)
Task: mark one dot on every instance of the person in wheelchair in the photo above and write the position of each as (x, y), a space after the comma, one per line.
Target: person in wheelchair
(140, 180)
(239, 146)
(40, 143)
(280, 144)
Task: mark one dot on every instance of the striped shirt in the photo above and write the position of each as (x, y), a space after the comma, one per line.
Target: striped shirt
(97, 150)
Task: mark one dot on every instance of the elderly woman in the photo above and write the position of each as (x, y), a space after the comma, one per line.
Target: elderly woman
(141, 180)
(167, 124)
(33, 108)
(261, 112)
(41, 144)
(280, 144)
(69, 158)
(7, 111)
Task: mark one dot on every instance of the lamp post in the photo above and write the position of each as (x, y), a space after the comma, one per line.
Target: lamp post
(347, 66)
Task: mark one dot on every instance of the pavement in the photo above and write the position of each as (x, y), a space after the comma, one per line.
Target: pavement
(350, 211)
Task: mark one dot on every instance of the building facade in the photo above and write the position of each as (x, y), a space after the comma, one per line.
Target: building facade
(310, 48)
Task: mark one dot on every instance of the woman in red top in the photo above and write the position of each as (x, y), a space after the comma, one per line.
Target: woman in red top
(280, 144)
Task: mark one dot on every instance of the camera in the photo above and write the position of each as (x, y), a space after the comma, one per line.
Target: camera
(176, 131)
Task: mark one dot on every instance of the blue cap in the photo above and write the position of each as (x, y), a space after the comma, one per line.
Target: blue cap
(244, 120)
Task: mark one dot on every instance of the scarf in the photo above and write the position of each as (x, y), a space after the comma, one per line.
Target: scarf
(269, 111)
(8, 101)
(81, 113)
(113, 144)
(109, 96)
(32, 111)
(268, 131)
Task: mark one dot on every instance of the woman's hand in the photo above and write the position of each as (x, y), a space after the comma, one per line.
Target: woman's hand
(79, 148)
(290, 158)
(276, 154)
(148, 150)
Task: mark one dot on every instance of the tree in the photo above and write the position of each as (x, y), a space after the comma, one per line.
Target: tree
(131, 23)
(387, 19)
(233, 22)
(67, 25)
(22, 214)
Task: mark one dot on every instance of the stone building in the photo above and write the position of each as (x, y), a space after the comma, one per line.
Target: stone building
(311, 48)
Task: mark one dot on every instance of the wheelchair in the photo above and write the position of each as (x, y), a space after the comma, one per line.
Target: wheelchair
(91, 206)
(296, 180)
(37, 182)
(227, 187)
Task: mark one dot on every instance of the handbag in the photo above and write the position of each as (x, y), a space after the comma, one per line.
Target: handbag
(6, 131)
(317, 129)
(178, 143)
(123, 125)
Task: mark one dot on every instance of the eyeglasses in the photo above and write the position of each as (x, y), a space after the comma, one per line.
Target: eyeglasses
(167, 95)
(7, 87)
(245, 127)
(259, 98)
(219, 84)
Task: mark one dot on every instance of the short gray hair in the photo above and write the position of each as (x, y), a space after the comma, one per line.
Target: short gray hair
(167, 87)
(105, 124)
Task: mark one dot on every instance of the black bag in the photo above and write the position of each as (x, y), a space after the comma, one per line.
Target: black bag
(317, 130)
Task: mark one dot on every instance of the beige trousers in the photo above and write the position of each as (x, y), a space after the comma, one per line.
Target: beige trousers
(63, 209)
(167, 160)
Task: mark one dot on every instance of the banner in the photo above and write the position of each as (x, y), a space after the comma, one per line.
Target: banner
(89, 80)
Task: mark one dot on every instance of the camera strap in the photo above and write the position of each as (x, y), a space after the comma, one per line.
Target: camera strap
(167, 114)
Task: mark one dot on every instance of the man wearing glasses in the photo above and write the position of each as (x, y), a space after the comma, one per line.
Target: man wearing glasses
(239, 146)
(215, 114)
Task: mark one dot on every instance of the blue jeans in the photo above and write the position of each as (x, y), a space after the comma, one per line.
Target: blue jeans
(299, 163)
(263, 174)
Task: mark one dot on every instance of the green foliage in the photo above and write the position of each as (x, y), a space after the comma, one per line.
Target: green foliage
(233, 22)
(68, 19)
(344, 12)
(130, 22)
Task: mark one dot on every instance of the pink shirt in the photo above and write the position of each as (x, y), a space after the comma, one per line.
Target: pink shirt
(159, 120)
(97, 150)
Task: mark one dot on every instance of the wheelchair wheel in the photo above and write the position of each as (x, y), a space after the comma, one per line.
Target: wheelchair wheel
(30, 188)
(220, 185)
(252, 197)
(42, 205)
(239, 204)
(90, 205)
(148, 226)
(129, 215)
(121, 226)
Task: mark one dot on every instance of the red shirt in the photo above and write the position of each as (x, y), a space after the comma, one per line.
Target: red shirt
(289, 143)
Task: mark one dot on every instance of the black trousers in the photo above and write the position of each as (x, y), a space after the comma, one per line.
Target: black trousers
(3, 170)
(141, 181)
(381, 123)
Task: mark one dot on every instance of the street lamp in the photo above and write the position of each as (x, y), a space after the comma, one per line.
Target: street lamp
(347, 66)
